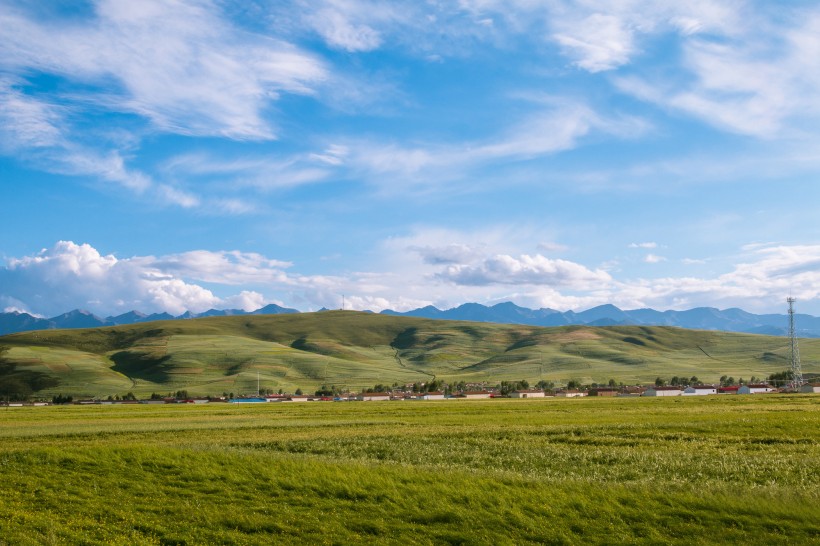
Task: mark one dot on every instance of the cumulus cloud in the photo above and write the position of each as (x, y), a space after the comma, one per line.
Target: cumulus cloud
(504, 269)
(71, 275)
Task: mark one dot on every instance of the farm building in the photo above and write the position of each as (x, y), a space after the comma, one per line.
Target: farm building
(476, 394)
(604, 391)
(531, 393)
(755, 389)
(728, 390)
(570, 393)
(373, 396)
(811, 388)
(700, 390)
(663, 391)
(436, 395)
(298, 398)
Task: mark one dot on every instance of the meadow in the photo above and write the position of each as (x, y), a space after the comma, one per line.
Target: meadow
(699, 470)
(352, 350)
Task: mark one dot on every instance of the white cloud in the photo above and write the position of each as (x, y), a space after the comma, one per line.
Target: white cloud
(34, 129)
(69, 275)
(453, 253)
(504, 269)
(598, 42)
(27, 122)
(653, 259)
(557, 125)
(758, 79)
(549, 246)
(643, 245)
(339, 31)
(179, 64)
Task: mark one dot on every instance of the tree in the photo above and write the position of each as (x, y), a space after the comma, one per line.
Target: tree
(298, 392)
(781, 378)
(694, 380)
(573, 384)
(660, 382)
(60, 399)
(324, 391)
(727, 381)
(612, 383)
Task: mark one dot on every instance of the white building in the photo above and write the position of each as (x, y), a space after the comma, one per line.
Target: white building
(531, 393)
(437, 395)
(373, 396)
(663, 391)
(755, 389)
(570, 394)
(476, 394)
(699, 390)
(811, 388)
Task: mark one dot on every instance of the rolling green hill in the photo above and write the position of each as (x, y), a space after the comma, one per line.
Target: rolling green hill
(355, 350)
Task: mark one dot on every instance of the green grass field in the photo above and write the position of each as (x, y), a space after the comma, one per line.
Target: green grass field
(721, 469)
(352, 350)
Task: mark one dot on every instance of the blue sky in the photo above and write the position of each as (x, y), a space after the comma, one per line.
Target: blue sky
(183, 155)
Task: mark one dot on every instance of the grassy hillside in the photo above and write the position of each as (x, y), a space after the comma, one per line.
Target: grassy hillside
(355, 350)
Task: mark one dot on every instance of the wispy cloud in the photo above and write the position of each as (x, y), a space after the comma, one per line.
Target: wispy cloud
(649, 244)
(178, 64)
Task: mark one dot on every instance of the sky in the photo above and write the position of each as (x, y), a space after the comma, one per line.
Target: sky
(181, 155)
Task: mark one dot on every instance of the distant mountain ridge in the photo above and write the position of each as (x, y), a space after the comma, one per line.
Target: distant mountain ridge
(701, 318)
(14, 322)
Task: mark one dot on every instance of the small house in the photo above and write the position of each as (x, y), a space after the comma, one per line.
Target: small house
(663, 391)
(570, 393)
(732, 389)
(604, 391)
(700, 390)
(435, 395)
(529, 393)
(373, 396)
(759, 388)
(811, 388)
(476, 394)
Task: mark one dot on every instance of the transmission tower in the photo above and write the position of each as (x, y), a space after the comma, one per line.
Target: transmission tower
(797, 374)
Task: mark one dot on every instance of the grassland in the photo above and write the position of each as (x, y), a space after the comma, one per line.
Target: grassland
(705, 470)
(355, 350)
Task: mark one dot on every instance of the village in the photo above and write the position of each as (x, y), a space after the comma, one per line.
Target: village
(474, 391)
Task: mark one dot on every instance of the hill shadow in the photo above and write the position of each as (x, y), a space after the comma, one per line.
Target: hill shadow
(141, 366)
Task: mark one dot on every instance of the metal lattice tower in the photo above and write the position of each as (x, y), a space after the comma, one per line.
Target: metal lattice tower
(797, 373)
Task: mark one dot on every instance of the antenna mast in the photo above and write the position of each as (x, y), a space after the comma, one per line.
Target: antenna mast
(797, 373)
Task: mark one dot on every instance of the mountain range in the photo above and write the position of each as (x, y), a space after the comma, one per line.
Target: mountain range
(701, 318)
